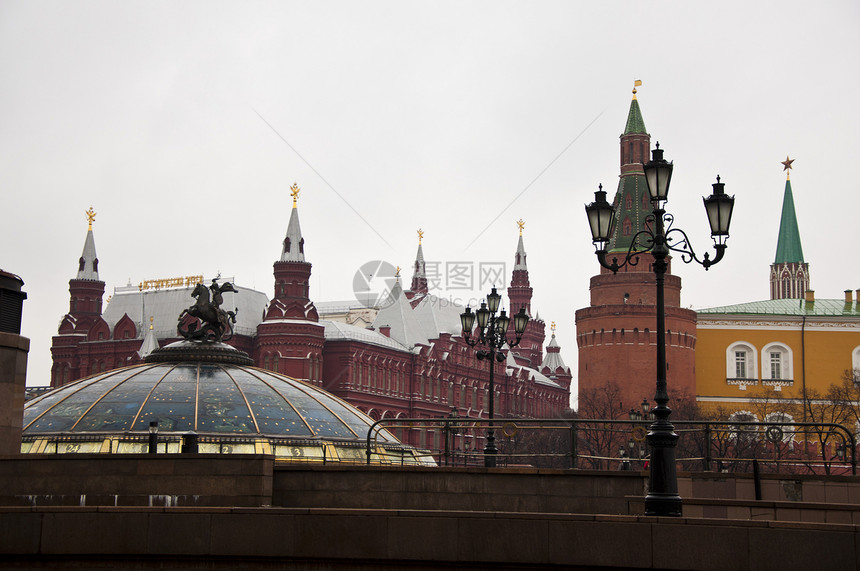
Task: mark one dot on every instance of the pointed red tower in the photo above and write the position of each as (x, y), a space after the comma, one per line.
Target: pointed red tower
(615, 335)
(520, 295)
(290, 339)
(85, 309)
(419, 273)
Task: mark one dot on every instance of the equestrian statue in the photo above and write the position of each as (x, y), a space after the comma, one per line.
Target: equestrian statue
(217, 324)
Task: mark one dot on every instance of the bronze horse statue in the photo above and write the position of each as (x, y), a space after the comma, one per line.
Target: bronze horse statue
(217, 324)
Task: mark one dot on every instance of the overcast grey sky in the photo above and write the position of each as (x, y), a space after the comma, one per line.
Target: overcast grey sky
(433, 115)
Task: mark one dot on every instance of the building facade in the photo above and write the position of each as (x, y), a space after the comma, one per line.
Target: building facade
(411, 362)
(763, 359)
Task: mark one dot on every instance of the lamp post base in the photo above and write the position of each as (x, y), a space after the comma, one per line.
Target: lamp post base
(490, 450)
(662, 498)
(663, 504)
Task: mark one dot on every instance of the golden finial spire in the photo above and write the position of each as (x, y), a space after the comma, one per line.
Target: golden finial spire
(786, 166)
(397, 273)
(151, 319)
(520, 223)
(636, 83)
(91, 216)
(552, 326)
(294, 192)
(420, 235)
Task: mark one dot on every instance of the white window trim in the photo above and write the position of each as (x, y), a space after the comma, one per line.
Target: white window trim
(787, 365)
(751, 364)
(855, 357)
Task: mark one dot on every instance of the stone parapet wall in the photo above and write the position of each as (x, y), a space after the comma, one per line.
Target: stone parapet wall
(478, 489)
(136, 480)
(285, 538)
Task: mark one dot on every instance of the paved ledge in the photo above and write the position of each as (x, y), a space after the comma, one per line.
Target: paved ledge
(314, 538)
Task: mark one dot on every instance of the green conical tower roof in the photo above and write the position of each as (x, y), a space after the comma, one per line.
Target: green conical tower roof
(788, 248)
(631, 202)
(635, 123)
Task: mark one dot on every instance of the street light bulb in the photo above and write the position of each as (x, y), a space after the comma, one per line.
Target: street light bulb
(521, 319)
(719, 207)
(658, 175)
(601, 217)
(467, 321)
(493, 301)
(483, 315)
(502, 323)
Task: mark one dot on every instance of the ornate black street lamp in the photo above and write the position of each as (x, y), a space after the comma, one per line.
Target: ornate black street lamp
(492, 333)
(659, 238)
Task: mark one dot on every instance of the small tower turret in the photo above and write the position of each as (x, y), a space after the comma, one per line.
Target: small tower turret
(553, 365)
(419, 273)
(290, 339)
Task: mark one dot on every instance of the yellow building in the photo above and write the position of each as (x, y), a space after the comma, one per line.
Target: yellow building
(794, 347)
(787, 349)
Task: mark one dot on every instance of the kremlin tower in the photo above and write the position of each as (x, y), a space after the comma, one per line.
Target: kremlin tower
(290, 339)
(85, 310)
(520, 295)
(615, 334)
(789, 274)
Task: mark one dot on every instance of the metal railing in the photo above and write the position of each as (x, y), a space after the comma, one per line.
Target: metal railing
(704, 445)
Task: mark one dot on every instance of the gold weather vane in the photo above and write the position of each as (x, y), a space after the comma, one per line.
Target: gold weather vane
(636, 83)
(420, 235)
(294, 192)
(552, 326)
(520, 224)
(151, 319)
(91, 216)
(786, 166)
(397, 272)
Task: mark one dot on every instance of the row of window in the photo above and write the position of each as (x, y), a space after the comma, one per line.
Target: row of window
(742, 363)
(776, 364)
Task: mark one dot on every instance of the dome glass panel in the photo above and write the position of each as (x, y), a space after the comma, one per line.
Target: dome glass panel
(207, 398)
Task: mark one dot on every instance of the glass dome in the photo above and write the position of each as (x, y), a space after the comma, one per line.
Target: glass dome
(231, 407)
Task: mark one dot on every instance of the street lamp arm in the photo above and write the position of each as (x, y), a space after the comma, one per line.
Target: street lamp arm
(688, 254)
(631, 258)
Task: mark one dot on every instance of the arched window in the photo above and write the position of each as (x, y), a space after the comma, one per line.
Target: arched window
(740, 432)
(627, 227)
(741, 364)
(275, 361)
(855, 363)
(776, 364)
(628, 201)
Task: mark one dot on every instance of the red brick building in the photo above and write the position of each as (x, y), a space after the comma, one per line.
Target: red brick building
(615, 334)
(410, 363)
